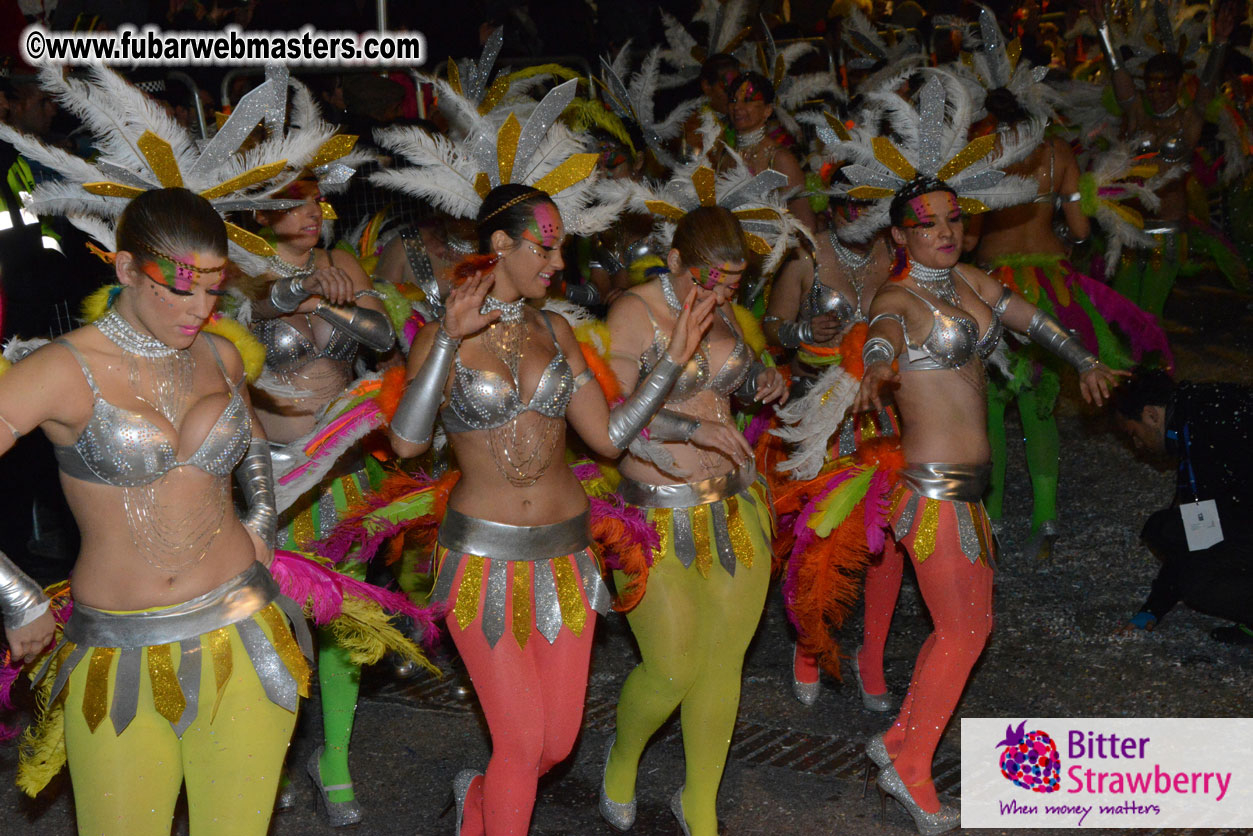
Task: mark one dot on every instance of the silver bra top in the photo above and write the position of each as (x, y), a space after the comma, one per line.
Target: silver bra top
(287, 349)
(953, 341)
(822, 299)
(696, 376)
(1171, 149)
(122, 448)
(484, 400)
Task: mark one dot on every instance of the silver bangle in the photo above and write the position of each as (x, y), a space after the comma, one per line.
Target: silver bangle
(1049, 334)
(370, 328)
(414, 420)
(255, 475)
(628, 419)
(287, 294)
(877, 350)
(671, 426)
(792, 334)
(1062, 230)
(748, 389)
(1106, 38)
(21, 599)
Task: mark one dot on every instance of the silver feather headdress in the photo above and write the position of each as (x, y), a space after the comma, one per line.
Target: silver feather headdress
(725, 21)
(869, 49)
(634, 102)
(141, 148)
(454, 175)
(995, 63)
(928, 143)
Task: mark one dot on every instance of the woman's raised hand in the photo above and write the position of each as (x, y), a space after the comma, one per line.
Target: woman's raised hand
(462, 310)
(691, 326)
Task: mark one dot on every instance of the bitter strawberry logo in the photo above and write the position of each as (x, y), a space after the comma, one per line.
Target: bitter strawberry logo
(1030, 759)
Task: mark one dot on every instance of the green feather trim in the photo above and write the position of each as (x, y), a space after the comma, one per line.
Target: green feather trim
(1045, 261)
(835, 508)
(1110, 349)
(1089, 201)
(395, 304)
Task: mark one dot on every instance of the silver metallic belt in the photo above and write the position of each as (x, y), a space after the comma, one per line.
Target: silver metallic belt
(499, 541)
(948, 482)
(714, 489)
(242, 596)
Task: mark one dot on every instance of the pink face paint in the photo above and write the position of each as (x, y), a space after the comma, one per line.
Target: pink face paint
(544, 227)
(710, 278)
(923, 210)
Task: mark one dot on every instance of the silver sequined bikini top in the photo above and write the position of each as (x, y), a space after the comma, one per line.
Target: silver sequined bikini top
(696, 376)
(122, 448)
(953, 340)
(1171, 149)
(484, 400)
(822, 299)
(287, 349)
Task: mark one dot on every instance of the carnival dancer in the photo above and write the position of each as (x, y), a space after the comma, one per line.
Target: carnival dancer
(941, 320)
(317, 310)
(699, 604)
(178, 664)
(815, 302)
(1159, 124)
(515, 569)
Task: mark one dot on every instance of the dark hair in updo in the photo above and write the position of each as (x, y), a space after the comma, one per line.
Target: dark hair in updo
(915, 188)
(171, 222)
(509, 208)
(1004, 107)
(709, 236)
(1164, 64)
(760, 83)
(1147, 387)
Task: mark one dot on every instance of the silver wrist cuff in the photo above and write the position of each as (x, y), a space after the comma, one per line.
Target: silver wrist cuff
(748, 389)
(1062, 230)
(792, 334)
(1112, 55)
(1214, 64)
(414, 420)
(1049, 334)
(628, 418)
(21, 599)
(368, 327)
(287, 294)
(256, 478)
(877, 350)
(671, 426)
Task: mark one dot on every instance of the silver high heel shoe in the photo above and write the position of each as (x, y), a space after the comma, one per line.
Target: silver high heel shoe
(619, 814)
(873, 702)
(676, 807)
(338, 813)
(877, 754)
(286, 799)
(928, 824)
(461, 788)
(805, 692)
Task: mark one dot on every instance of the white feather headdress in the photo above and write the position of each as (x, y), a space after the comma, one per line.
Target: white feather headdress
(726, 26)
(455, 175)
(634, 102)
(995, 63)
(792, 92)
(869, 49)
(141, 148)
(928, 142)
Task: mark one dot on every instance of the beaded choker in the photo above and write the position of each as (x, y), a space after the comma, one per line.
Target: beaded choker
(935, 280)
(286, 270)
(510, 312)
(459, 245)
(750, 139)
(128, 338)
(847, 257)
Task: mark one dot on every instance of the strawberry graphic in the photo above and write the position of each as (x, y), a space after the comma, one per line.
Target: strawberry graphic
(1030, 759)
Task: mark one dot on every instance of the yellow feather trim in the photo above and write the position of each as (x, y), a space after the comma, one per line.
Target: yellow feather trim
(366, 632)
(249, 347)
(753, 335)
(595, 334)
(4, 365)
(638, 268)
(97, 304)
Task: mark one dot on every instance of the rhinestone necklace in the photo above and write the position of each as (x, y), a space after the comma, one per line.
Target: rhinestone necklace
(847, 257)
(459, 245)
(510, 312)
(935, 280)
(287, 270)
(130, 339)
(750, 139)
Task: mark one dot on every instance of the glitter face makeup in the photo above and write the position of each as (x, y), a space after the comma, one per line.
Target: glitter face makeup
(923, 210)
(179, 275)
(727, 275)
(544, 229)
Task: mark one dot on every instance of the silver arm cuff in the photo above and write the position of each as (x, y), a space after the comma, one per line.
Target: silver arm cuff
(1048, 333)
(628, 418)
(21, 599)
(792, 334)
(370, 328)
(287, 294)
(1214, 64)
(671, 426)
(1106, 37)
(877, 350)
(1062, 230)
(748, 389)
(256, 478)
(414, 420)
